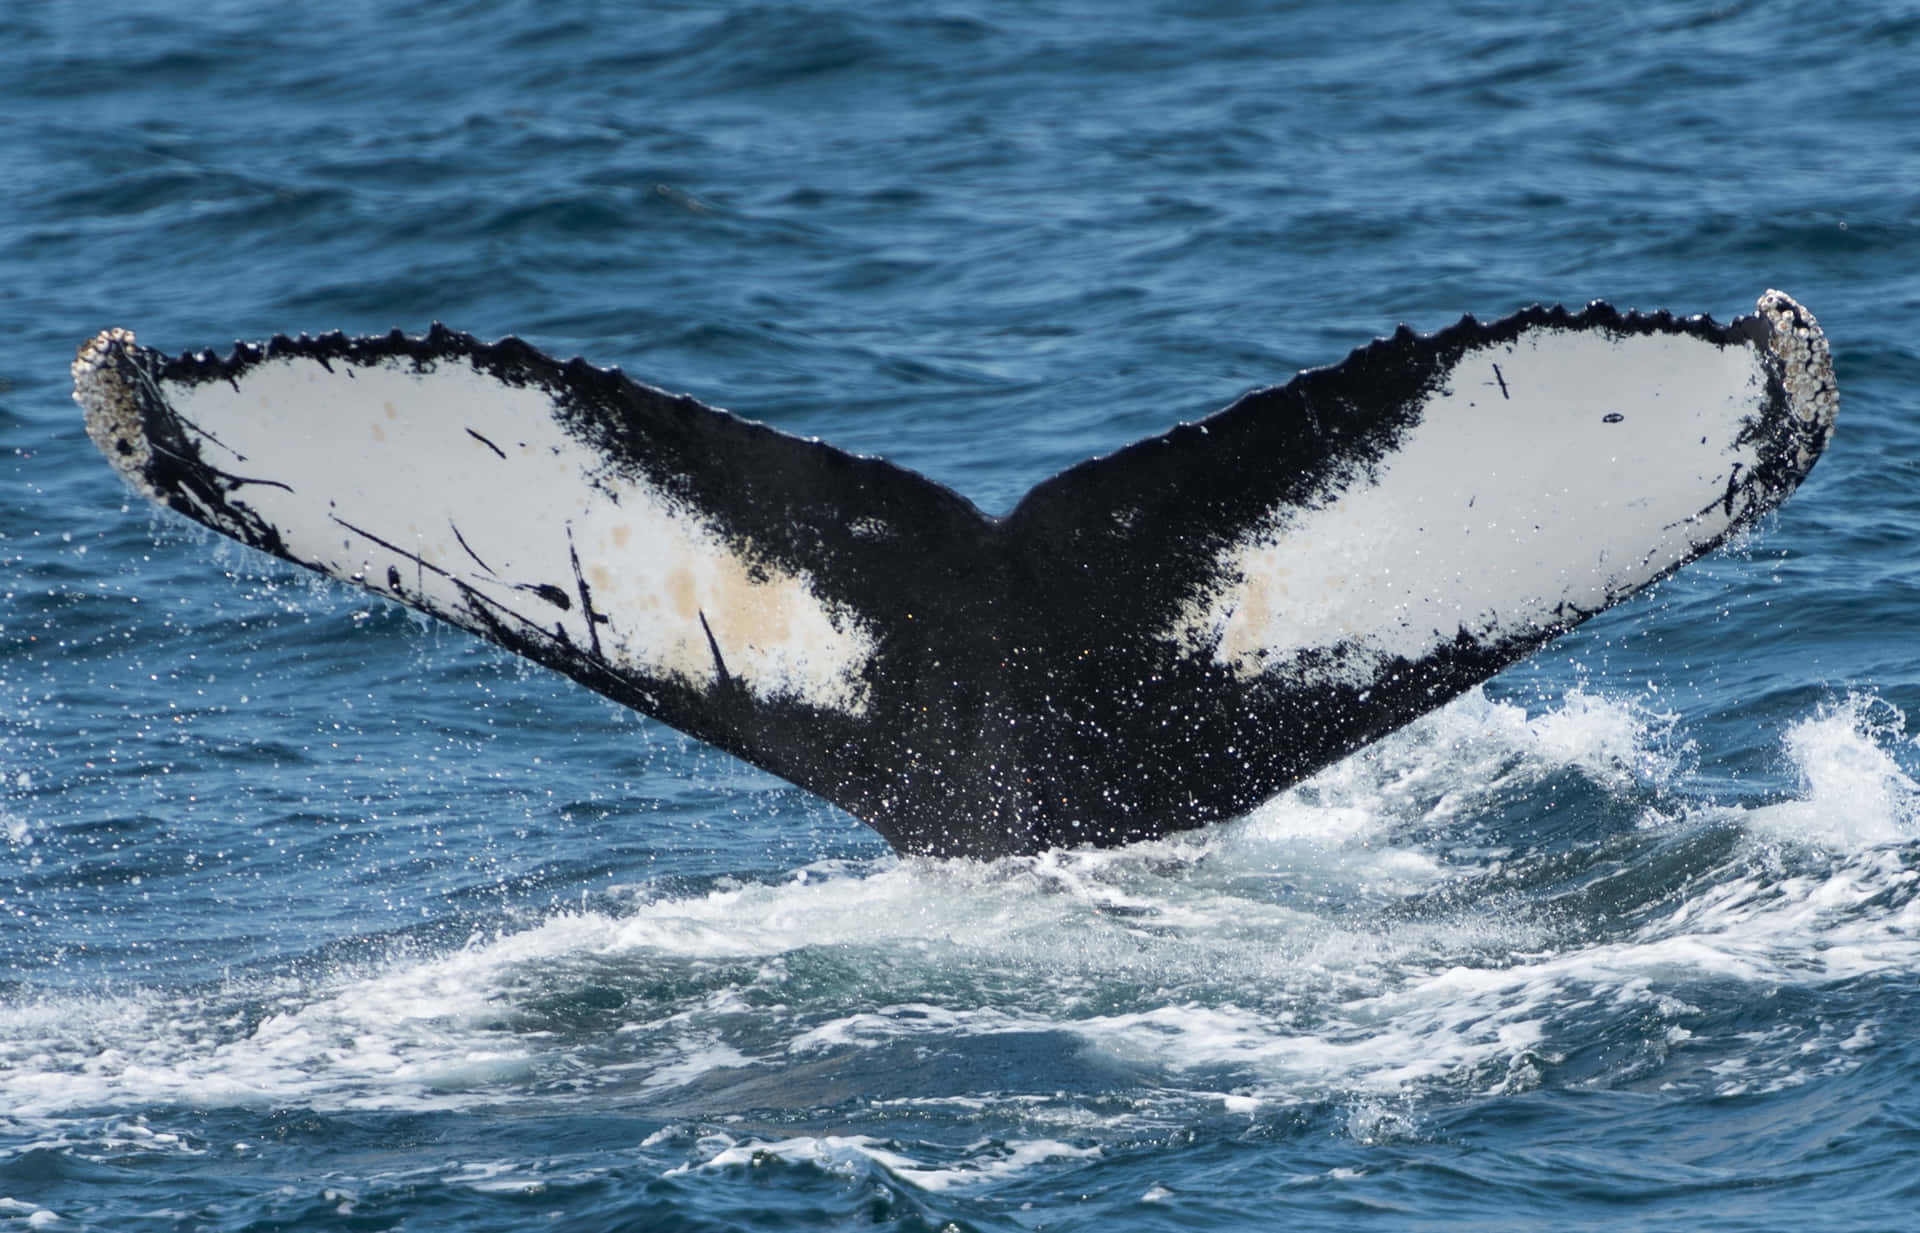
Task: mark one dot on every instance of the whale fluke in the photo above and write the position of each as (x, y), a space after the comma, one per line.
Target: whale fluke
(1151, 640)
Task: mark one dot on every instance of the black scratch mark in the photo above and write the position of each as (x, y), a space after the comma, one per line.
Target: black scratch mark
(594, 619)
(552, 594)
(1733, 489)
(418, 560)
(719, 664)
(204, 434)
(1501, 378)
(483, 608)
(233, 482)
(470, 551)
(490, 445)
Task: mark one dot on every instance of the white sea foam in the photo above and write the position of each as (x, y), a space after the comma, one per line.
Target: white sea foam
(849, 1155)
(1314, 951)
(1854, 793)
(31, 1215)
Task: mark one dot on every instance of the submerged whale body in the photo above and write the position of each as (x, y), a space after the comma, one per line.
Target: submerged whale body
(1152, 640)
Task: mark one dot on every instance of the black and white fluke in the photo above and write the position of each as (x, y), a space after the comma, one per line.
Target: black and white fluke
(1152, 640)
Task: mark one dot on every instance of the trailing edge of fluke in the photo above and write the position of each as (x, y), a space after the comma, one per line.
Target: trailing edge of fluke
(1152, 640)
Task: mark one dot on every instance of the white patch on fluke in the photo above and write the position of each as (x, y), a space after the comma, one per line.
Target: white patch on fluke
(438, 479)
(1564, 469)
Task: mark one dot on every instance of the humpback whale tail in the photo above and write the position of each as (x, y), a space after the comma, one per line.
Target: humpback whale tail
(1151, 640)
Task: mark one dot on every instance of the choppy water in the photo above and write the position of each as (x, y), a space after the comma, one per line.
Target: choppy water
(313, 916)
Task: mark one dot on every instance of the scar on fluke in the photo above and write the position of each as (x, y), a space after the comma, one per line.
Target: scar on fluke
(398, 551)
(594, 619)
(1149, 641)
(490, 445)
(719, 663)
(454, 527)
(547, 591)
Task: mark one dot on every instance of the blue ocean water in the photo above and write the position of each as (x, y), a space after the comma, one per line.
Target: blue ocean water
(314, 915)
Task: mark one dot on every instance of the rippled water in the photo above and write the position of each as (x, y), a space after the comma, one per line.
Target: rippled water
(313, 915)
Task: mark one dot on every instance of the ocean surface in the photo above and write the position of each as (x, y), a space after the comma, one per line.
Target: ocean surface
(316, 916)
